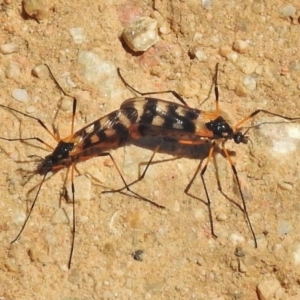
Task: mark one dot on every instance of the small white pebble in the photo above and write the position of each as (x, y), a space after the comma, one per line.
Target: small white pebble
(98, 71)
(259, 70)
(221, 217)
(67, 77)
(285, 227)
(158, 17)
(141, 35)
(13, 70)
(111, 222)
(20, 95)
(30, 109)
(287, 11)
(78, 34)
(246, 65)
(242, 267)
(283, 147)
(236, 238)
(105, 205)
(66, 104)
(285, 185)
(19, 218)
(83, 96)
(241, 90)
(176, 206)
(197, 36)
(277, 247)
(207, 3)
(296, 254)
(282, 143)
(294, 131)
(240, 46)
(232, 57)
(164, 29)
(11, 266)
(106, 282)
(64, 268)
(250, 83)
(40, 71)
(9, 48)
(70, 82)
(225, 50)
(200, 54)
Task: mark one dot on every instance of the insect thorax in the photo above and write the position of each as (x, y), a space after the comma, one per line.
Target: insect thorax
(59, 157)
(220, 128)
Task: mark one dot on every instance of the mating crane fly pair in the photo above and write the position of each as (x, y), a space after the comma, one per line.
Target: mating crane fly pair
(155, 124)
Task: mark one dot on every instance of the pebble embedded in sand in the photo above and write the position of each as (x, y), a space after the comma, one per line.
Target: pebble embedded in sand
(37, 9)
(141, 35)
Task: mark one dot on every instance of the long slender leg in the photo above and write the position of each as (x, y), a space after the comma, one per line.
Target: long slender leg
(216, 88)
(139, 178)
(40, 121)
(203, 170)
(34, 118)
(241, 193)
(28, 139)
(127, 186)
(30, 210)
(74, 216)
(174, 93)
(211, 151)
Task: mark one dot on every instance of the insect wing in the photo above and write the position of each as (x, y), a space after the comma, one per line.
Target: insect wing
(169, 141)
(179, 120)
(106, 133)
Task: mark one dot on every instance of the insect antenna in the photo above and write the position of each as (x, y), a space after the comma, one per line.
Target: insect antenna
(256, 112)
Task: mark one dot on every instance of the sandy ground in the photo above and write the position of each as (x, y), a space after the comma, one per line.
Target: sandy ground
(180, 258)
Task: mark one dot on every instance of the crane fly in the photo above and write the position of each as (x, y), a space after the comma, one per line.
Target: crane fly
(168, 127)
(93, 140)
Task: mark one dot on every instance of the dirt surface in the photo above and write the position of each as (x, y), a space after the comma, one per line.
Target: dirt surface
(180, 260)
